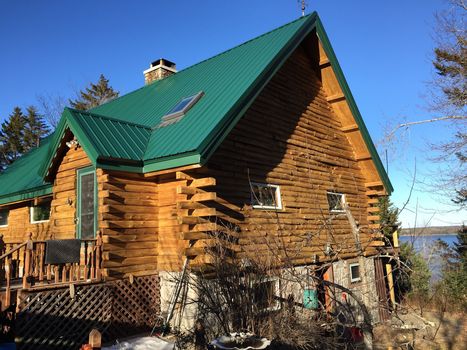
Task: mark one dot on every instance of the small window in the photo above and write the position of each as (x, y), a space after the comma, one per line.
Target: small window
(265, 294)
(179, 110)
(336, 202)
(4, 217)
(354, 272)
(265, 196)
(41, 212)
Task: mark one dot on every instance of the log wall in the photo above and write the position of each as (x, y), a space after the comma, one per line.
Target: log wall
(63, 206)
(128, 220)
(291, 137)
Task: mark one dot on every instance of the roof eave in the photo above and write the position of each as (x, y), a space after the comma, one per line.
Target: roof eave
(26, 194)
(352, 105)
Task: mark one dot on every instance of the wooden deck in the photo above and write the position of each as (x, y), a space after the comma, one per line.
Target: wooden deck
(23, 267)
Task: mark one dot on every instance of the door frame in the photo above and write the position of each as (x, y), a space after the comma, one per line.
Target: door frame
(79, 174)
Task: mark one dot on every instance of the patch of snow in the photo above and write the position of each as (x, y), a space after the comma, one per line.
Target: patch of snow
(141, 343)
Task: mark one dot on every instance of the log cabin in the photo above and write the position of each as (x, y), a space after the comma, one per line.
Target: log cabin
(144, 180)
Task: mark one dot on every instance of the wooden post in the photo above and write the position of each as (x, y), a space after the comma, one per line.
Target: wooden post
(98, 255)
(8, 287)
(41, 261)
(95, 339)
(86, 261)
(395, 239)
(27, 261)
(392, 295)
(2, 245)
(56, 274)
(2, 251)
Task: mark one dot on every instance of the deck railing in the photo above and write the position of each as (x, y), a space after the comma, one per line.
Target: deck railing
(22, 265)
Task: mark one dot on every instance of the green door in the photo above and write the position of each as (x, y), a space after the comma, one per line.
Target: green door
(86, 209)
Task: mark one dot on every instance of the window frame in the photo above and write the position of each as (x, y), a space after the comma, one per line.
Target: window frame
(354, 279)
(277, 304)
(31, 215)
(278, 199)
(79, 173)
(342, 201)
(7, 217)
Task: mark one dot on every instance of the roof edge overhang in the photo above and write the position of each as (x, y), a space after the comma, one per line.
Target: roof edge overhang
(323, 37)
(26, 194)
(67, 122)
(212, 142)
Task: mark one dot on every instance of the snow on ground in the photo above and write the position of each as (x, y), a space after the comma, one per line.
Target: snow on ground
(141, 343)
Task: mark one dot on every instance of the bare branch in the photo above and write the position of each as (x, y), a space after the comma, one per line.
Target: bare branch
(391, 134)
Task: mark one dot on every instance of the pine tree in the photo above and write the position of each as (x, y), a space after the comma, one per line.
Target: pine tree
(450, 63)
(460, 247)
(11, 138)
(388, 217)
(94, 95)
(35, 129)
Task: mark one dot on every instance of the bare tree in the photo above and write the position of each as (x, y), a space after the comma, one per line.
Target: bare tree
(447, 98)
(51, 107)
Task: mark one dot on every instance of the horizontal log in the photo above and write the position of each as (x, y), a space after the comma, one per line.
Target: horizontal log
(204, 182)
(107, 255)
(121, 262)
(188, 190)
(130, 238)
(129, 224)
(203, 197)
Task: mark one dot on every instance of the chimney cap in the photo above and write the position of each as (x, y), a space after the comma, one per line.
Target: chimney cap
(162, 62)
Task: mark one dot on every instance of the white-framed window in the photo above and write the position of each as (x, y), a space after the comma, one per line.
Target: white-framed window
(336, 202)
(265, 196)
(4, 217)
(266, 293)
(40, 212)
(354, 271)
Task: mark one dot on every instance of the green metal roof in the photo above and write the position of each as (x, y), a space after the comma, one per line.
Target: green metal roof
(21, 180)
(123, 134)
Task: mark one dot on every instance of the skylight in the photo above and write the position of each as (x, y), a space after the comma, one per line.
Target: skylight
(180, 109)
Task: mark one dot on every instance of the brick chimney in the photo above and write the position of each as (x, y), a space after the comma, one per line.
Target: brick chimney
(159, 70)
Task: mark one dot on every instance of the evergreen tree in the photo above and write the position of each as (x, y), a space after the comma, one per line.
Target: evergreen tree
(11, 138)
(388, 217)
(412, 277)
(35, 129)
(450, 63)
(94, 95)
(460, 247)
(454, 281)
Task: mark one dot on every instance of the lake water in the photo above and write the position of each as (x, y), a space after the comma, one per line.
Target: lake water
(425, 246)
(420, 242)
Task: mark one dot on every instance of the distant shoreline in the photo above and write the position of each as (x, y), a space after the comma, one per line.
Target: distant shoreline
(426, 235)
(429, 231)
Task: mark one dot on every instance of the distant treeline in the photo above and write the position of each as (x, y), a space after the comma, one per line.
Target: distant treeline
(430, 231)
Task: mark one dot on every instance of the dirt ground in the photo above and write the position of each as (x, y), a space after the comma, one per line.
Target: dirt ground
(412, 332)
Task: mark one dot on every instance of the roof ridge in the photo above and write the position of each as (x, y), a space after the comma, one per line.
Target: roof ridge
(154, 83)
(237, 46)
(92, 114)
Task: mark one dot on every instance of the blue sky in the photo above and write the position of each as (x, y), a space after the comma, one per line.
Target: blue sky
(384, 48)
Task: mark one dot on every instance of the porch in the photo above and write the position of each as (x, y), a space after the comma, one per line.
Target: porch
(28, 266)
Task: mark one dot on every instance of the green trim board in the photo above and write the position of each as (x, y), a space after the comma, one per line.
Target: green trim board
(26, 195)
(121, 134)
(80, 173)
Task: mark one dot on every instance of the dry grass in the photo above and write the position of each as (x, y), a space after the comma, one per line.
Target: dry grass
(452, 334)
